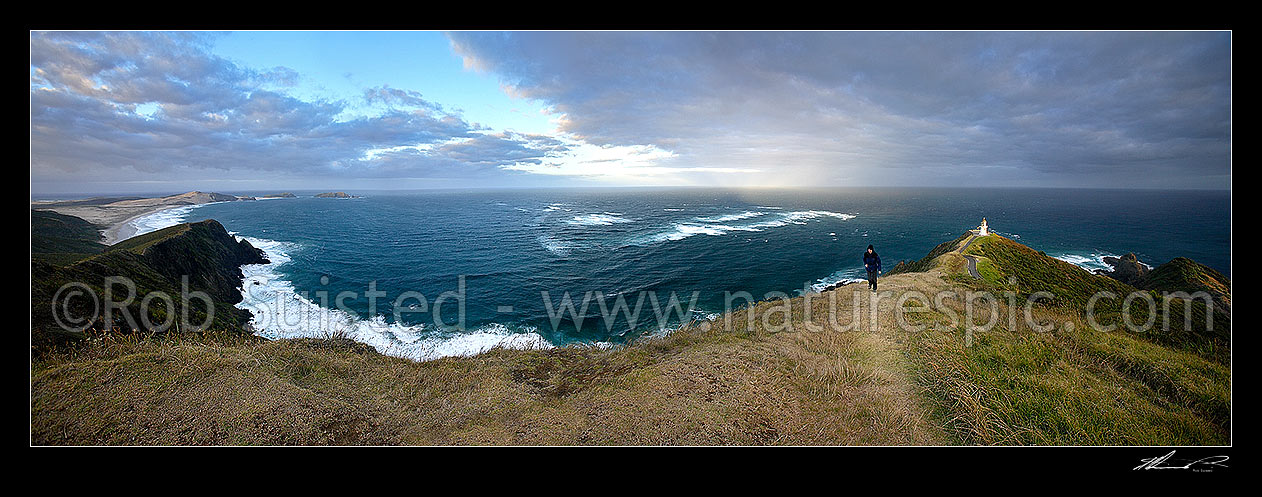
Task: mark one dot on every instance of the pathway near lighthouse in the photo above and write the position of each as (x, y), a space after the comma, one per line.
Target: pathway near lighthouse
(972, 260)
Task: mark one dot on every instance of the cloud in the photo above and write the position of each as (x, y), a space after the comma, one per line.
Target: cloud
(720, 108)
(109, 107)
(395, 97)
(1065, 109)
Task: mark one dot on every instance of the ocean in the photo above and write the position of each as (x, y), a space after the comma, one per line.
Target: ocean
(426, 274)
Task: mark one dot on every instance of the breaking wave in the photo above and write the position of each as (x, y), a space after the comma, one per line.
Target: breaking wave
(280, 311)
(723, 224)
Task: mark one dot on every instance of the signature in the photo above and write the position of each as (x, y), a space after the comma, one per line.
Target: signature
(1202, 464)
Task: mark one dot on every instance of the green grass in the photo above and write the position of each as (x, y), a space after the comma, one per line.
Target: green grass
(1062, 388)
(1072, 289)
(1071, 286)
(991, 274)
(1186, 275)
(1183, 274)
(930, 260)
(62, 240)
(138, 244)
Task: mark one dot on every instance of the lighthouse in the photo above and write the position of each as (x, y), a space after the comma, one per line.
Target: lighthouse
(983, 230)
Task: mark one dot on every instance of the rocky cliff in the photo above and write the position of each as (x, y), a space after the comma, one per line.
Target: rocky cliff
(202, 252)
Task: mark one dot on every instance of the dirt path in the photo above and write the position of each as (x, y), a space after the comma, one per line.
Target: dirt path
(972, 267)
(972, 260)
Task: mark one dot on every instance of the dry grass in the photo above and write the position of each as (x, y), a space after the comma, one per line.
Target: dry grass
(691, 387)
(705, 384)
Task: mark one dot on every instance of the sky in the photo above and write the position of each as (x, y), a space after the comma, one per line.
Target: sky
(142, 112)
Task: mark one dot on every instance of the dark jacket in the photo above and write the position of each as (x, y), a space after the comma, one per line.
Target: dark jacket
(871, 262)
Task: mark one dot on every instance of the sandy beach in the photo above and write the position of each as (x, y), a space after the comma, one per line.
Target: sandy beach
(115, 215)
(124, 229)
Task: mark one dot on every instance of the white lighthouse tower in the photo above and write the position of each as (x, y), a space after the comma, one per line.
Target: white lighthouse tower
(983, 230)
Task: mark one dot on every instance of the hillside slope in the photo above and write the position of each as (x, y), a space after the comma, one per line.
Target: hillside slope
(1176, 322)
(909, 371)
(203, 253)
(1185, 275)
(60, 239)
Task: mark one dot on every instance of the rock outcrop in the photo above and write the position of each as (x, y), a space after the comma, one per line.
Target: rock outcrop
(1126, 269)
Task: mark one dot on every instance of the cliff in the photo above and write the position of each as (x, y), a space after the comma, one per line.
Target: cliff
(203, 252)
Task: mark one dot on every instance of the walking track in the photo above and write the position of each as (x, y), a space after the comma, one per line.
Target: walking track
(972, 260)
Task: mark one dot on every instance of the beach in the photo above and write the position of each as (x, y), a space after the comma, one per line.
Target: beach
(115, 215)
(125, 229)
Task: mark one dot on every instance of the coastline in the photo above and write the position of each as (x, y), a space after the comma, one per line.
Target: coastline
(124, 229)
(115, 216)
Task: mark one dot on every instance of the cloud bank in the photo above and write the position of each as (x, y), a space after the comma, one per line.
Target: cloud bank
(160, 107)
(1069, 109)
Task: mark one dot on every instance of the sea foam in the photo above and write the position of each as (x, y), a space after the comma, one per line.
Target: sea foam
(559, 248)
(1092, 261)
(161, 219)
(731, 217)
(280, 312)
(843, 277)
(726, 223)
(602, 219)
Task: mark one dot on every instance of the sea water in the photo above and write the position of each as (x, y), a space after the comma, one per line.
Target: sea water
(506, 260)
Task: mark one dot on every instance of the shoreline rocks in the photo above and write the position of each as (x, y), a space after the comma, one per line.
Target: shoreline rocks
(1126, 269)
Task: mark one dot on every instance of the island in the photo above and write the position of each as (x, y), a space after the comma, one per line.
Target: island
(335, 195)
(279, 195)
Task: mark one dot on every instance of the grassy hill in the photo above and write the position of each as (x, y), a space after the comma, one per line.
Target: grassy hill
(929, 261)
(202, 252)
(60, 239)
(1185, 275)
(794, 371)
(1008, 265)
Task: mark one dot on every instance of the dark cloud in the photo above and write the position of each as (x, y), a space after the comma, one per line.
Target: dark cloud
(1092, 109)
(160, 107)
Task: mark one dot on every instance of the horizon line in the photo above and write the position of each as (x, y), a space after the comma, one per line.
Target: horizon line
(161, 193)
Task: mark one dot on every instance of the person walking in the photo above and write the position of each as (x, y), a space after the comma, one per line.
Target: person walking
(872, 263)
